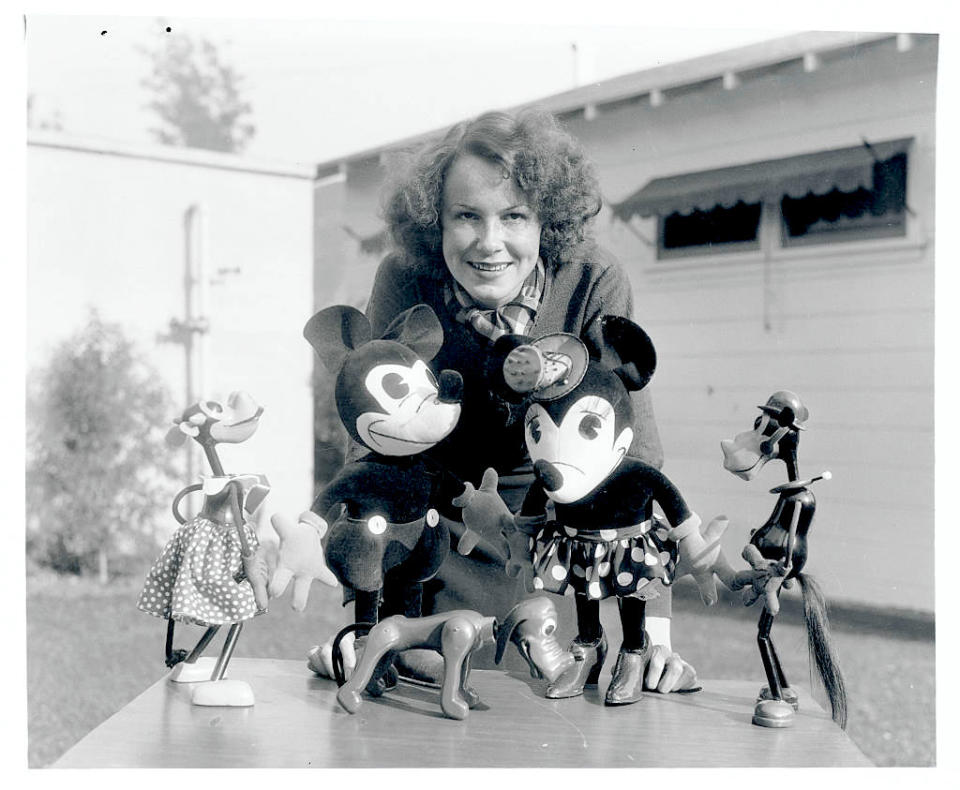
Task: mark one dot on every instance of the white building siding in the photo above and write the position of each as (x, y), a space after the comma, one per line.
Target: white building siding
(106, 230)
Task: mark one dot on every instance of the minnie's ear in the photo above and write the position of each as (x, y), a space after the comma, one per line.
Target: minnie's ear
(628, 351)
(336, 331)
(419, 330)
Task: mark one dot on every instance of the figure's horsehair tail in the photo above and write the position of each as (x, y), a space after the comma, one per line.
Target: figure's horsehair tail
(821, 647)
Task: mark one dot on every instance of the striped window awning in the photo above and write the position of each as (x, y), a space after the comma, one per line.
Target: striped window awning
(845, 169)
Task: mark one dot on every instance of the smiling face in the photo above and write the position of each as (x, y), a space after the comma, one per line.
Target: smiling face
(491, 236)
(411, 417)
(582, 450)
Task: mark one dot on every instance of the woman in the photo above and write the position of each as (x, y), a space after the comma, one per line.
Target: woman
(491, 227)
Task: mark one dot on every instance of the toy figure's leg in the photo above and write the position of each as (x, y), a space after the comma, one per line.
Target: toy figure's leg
(469, 693)
(787, 694)
(368, 609)
(224, 693)
(589, 650)
(773, 711)
(172, 657)
(205, 640)
(404, 598)
(417, 664)
(194, 668)
(456, 640)
(626, 685)
(229, 645)
(382, 639)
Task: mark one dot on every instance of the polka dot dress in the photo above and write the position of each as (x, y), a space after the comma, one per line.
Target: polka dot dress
(199, 578)
(600, 564)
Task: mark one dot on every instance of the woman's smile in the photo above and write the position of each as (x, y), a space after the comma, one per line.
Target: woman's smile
(493, 268)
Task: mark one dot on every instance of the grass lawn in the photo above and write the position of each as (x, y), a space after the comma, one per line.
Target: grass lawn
(89, 652)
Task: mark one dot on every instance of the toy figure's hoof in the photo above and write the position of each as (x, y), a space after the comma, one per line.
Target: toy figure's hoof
(585, 672)
(349, 700)
(789, 695)
(626, 685)
(199, 671)
(421, 666)
(223, 694)
(455, 709)
(773, 713)
(471, 696)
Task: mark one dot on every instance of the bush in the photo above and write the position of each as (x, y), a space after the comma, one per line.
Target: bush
(98, 472)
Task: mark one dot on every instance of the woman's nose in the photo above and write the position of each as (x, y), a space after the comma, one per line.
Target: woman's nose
(491, 237)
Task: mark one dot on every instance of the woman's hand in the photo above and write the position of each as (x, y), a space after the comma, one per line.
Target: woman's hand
(666, 671)
(301, 557)
(320, 657)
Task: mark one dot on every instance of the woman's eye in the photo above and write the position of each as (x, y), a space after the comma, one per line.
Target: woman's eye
(515, 216)
(590, 426)
(534, 429)
(395, 386)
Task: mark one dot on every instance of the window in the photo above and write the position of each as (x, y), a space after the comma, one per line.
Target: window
(717, 230)
(825, 197)
(847, 216)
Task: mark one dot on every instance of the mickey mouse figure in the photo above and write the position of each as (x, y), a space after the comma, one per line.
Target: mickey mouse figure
(587, 521)
(373, 525)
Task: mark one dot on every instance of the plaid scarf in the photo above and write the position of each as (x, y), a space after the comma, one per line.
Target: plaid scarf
(514, 317)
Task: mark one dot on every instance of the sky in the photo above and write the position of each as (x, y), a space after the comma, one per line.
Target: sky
(321, 87)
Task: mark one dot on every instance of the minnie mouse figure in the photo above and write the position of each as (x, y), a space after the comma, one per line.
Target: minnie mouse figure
(587, 521)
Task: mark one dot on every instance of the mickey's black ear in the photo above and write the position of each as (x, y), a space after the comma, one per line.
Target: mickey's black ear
(336, 331)
(628, 351)
(419, 330)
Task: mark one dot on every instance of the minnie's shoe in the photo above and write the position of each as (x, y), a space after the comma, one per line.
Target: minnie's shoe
(626, 685)
(588, 658)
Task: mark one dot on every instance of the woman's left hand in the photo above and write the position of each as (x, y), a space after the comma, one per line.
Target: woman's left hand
(667, 671)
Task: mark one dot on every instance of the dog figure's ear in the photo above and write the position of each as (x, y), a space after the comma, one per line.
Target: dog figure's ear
(336, 331)
(419, 329)
(628, 351)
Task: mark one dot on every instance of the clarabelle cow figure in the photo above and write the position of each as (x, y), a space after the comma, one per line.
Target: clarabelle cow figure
(211, 573)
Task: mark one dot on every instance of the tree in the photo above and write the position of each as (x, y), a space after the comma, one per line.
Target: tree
(196, 97)
(98, 471)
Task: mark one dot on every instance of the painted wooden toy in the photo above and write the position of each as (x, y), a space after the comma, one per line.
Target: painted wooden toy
(777, 553)
(210, 573)
(530, 625)
(587, 521)
(374, 525)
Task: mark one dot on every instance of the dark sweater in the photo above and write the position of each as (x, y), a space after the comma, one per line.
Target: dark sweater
(576, 296)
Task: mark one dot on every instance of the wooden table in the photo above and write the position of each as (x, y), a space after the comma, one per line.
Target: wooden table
(297, 723)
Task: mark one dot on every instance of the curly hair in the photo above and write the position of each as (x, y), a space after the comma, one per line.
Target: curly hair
(545, 161)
